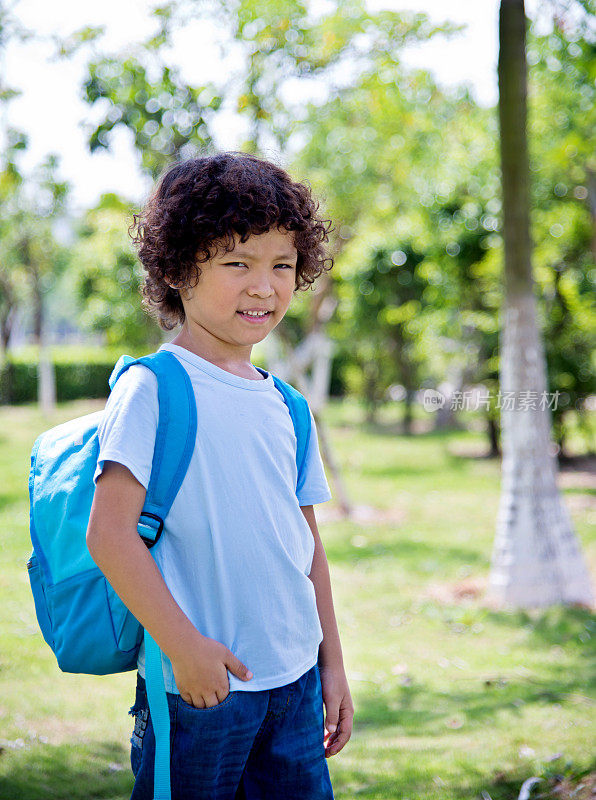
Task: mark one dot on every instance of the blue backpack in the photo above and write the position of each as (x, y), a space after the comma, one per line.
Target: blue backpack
(81, 618)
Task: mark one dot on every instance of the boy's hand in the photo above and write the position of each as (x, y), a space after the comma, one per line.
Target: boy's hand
(339, 709)
(201, 672)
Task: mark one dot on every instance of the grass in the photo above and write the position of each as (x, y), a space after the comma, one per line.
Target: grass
(454, 700)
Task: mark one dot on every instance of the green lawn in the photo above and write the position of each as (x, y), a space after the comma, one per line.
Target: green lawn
(453, 700)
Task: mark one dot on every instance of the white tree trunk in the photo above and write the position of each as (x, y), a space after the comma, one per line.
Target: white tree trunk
(46, 384)
(536, 558)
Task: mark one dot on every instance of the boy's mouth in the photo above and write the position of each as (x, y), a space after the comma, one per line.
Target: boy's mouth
(255, 318)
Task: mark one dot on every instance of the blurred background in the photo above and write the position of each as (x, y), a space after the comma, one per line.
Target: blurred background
(389, 110)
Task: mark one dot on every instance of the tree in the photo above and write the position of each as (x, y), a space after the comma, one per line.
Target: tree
(420, 167)
(167, 116)
(106, 277)
(10, 184)
(11, 279)
(536, 557)
(28, 248)
(42, 258)
(562, 115)
(389, 298)
(469, 291)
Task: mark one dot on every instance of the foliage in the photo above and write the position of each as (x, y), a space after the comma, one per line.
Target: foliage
(422, 166)
(418, 175)
(11, 277)
(280, 43)
(166, 115)
(563, 120)
(397, 161)
(390, 298)
(10, 29)
(107, 276)
(31, 257)
(79, 373)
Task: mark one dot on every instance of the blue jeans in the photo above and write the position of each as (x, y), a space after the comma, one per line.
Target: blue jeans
(265, 745)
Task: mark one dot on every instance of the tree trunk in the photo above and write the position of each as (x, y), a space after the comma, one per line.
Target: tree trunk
(536, 558)
(493, 437)
(46, 382)
(372, 395)
(6, 325)
(444, 416)
(7, 315)
(408, 420)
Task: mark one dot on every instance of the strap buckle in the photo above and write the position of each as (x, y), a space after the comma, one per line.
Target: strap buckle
(149, 531)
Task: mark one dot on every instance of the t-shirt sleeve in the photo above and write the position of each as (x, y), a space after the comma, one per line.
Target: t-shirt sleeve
(126, 433)
(315, 488)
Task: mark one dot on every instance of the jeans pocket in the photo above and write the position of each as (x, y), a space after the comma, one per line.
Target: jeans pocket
(196, 710)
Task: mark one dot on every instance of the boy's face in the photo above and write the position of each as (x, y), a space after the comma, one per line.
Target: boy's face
(259, 275)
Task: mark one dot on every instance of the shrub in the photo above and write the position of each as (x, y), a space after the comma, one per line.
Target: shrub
(80, 373)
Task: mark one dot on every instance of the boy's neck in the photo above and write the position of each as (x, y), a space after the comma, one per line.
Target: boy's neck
(241, 367)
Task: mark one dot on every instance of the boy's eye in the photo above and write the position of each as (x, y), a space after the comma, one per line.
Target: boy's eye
(242, 264)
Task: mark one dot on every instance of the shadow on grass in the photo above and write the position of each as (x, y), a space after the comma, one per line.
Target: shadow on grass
(83, 773)
(399, 469)
(395, 428)
(448, 463)
(409, 552)
(417, 709)
(410, 782)
(470, 705)
(556, 625)
(11, 498)
(97, 771)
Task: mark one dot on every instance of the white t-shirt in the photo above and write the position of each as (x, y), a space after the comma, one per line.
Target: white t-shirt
(236, 549)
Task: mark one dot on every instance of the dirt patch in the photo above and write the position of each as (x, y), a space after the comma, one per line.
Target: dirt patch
(583, 789)
(464, 592)
(361, 514)
(578, 473)
(581, 503)
(470, 450)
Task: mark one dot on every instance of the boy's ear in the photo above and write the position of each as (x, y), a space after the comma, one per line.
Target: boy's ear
(182, 291)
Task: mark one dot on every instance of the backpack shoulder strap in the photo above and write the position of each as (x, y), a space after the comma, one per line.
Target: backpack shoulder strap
(177, 426)
(300, 414)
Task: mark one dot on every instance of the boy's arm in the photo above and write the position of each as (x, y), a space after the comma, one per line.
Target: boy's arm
(199, 663)
(334, 684)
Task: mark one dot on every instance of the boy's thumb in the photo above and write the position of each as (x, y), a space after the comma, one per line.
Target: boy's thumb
(238, 669)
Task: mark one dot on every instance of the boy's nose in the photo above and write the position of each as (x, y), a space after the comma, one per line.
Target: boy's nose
(261, 289)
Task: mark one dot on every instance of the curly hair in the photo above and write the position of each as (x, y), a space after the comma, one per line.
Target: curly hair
(196, 208)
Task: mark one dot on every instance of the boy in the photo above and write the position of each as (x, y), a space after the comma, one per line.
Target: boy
(236, 592)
